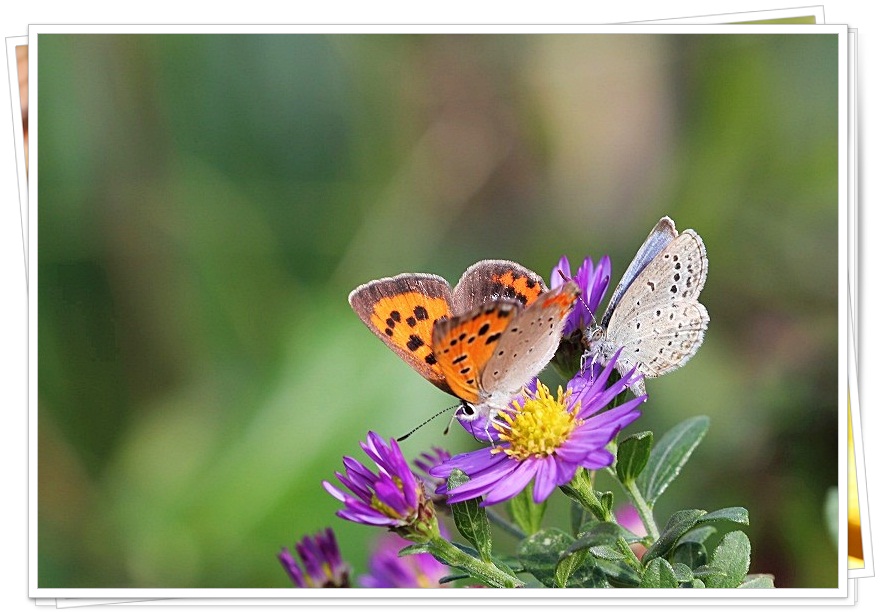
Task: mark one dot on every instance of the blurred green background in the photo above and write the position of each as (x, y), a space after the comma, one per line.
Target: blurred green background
(207, 203)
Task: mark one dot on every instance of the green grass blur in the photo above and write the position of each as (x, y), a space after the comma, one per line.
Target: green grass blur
(206, 203)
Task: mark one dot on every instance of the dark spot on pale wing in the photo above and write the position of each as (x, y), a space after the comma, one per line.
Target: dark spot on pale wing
(514, 329)
(395, 315)
(651, 285)
(471, 340)
(414, 342)
(453, 342)
(460, 358)
(389, 331)
(676, 277)
(420, 312)
(493, 338)
(483, 329)
(430, 359)
(462, 336)
(658, 312)
(470, 381)
(674, 289)
(465, 370)
(411, 322)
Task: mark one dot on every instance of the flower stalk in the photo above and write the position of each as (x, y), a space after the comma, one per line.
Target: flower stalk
(484, 572)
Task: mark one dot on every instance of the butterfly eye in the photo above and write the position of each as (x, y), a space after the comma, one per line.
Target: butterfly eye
(466, 409)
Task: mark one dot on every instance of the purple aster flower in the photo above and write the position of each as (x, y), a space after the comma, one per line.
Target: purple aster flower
(546, 439)
(387, 569)
(392, 497)
(592, 281)
(322, 565)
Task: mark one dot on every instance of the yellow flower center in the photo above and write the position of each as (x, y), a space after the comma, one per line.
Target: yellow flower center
(540, 426)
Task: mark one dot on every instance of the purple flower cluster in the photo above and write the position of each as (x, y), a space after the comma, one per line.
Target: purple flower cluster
(322, 564)
(593, 282)
(393, 496)
(388, 569)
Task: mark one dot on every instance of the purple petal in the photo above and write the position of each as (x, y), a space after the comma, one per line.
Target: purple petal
(546, 479)
(512, 484)
(469, 463)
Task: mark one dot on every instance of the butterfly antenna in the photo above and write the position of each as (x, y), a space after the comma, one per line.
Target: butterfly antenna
(434, 416)
(566, 278)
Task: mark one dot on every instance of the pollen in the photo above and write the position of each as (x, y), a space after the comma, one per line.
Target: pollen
(539, 426)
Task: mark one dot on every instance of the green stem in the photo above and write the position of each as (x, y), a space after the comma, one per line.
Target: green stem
(643, 509)
(486, 572)
(502, 523)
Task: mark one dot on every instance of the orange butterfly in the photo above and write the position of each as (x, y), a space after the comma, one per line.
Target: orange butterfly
(480, 342)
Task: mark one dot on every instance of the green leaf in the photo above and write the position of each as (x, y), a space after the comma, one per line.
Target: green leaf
(659, 573)
(732, 556)
(696, 583)
(757, 581)
(606, 501)
(526, 512)
(702, 572)
(568, 564)
(539, 553)
(683, 574)
(617, 572)
(451, 578)
(588, 575)
(602, 533)
(578, 516)
(604, 552)
(698, 535)
(737, 515)
(678, 524)
(632, 455)
(669, 455)
(470, 518)
(413, 549)
(691, 554)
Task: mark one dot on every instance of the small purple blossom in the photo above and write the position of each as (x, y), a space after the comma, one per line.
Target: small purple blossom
(628, 517)
(387, 569)
(593, 283)
(391, 497)
(546, 439)
(322, 564)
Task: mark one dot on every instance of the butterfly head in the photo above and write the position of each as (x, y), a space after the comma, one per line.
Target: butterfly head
(466, 412)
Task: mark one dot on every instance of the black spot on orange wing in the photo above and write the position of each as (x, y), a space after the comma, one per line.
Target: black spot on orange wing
(461, 357)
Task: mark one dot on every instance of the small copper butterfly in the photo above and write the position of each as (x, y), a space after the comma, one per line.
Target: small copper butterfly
(480, 342)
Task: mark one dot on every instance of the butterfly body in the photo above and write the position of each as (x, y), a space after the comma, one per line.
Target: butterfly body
(481, 341)
(654, 317)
